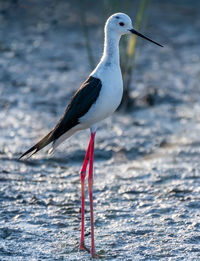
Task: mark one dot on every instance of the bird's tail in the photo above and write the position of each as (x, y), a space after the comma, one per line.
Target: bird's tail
(40, 145)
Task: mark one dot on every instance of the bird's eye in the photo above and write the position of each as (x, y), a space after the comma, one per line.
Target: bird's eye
(121, 24)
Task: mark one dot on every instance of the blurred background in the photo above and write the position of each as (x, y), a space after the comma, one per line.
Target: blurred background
(147, 171)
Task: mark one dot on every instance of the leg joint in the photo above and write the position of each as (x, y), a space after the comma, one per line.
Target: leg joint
(83, 174)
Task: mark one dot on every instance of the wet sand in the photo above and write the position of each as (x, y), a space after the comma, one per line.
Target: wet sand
(147, 180)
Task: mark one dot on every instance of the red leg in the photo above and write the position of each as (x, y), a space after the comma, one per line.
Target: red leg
(83, 174)
(90, 187)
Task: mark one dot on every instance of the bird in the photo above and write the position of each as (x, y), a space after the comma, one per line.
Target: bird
(97, 98)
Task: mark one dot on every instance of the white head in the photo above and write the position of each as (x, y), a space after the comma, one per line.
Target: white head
(121, 24)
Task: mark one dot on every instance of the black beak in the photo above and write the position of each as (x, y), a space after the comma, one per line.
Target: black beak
(141, 35)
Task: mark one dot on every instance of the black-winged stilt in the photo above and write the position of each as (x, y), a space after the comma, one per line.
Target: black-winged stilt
(97, 98)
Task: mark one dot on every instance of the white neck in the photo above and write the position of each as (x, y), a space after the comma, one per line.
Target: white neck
(111, 48)
(110, 55)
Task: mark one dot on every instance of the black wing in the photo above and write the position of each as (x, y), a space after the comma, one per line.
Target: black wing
(79, 105)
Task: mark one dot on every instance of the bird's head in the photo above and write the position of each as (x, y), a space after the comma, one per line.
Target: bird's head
(121, 24)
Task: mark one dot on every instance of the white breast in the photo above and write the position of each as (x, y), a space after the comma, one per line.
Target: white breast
(110, 95)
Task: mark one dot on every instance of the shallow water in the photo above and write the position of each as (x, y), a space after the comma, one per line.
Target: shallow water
(147, 170)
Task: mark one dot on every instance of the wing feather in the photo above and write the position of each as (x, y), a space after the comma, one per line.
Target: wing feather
(79, 105)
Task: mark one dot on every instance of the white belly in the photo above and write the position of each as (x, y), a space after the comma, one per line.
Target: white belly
(109, 98)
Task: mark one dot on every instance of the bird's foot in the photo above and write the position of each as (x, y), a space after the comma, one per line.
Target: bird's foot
(94, 254)
(83, 247)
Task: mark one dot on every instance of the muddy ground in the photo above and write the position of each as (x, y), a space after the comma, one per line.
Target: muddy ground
(147, 168)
